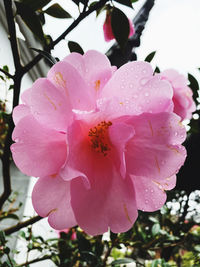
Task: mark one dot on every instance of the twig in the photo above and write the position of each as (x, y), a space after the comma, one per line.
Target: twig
(46, 257)
(83, 15)
(19, 226)
(6, 73)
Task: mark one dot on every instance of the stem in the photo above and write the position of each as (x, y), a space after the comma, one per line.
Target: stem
(19, 226)
(6, 73)
(9, 259)
(84, 14)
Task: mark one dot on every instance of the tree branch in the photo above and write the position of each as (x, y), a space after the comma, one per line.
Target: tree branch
(20, 225)
(83, 15)
(12, 32)
(46, 257)
(115, 55)
(6, 73)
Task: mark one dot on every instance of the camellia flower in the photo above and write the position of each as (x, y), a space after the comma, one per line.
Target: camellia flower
(107, 29)
(182, 97)
(104, 142)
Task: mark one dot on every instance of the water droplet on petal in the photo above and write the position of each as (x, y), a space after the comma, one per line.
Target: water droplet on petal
(144, 71)
(175, 133)
(146, 201)
(152, 191)
(146, 94)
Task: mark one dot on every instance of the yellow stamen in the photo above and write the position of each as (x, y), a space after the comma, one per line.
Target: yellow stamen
(99, 137)
(97, 85)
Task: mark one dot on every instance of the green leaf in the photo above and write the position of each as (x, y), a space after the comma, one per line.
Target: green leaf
(120, 27)
(121, 261)
(75, 47)
(2, 238)
(45, 54)
(31, 19)
(157, 70)
(125, 2)
(194, 85)
(6, 68)
(36, 4)
(150, 56)
(133, 1)
(155, 229)
(57, 11)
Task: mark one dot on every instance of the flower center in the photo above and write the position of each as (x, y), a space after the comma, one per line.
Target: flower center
(99, 137)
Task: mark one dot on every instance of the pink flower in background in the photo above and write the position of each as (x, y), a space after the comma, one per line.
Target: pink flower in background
(183, 102)
(104, 142)
(107, 29)
(73, 235)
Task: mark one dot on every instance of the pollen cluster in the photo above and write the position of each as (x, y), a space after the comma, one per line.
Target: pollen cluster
(99, 137)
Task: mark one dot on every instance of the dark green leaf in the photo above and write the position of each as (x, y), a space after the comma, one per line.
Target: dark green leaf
(120, 27)
(133, 1)
(125, 2)
(6, 68)
(45, 54)
(155, 229)
(121, 261)
(36, 4)
(75, 47)
(150, 56)
(57, 11)
(194, 85)
(31, 19)
(98, 11)
(76, 2)
(2, 238)
(83, 243)
(157, 70)
(6, 250)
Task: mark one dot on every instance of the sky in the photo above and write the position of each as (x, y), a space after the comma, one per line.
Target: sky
(173, 30)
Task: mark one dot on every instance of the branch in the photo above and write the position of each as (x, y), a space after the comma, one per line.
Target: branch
(83, 15)
(19, 226)
(115, 55)
(46, 257)
(12, 32)
(6, 73)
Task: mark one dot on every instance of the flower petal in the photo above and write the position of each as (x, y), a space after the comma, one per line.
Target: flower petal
(94, 67)
(120, 133)
(20, 112)
(137, 91)
(155, 149)
(50, 106)
(109, 203)
(150, 196)
(69, 81)
(38, 151)
(51, 197)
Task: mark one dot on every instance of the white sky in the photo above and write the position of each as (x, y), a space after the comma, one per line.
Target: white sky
(173, 30)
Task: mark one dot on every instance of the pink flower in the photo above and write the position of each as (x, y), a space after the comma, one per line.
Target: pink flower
(104, 143)
(183, 102)
(107, 29)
